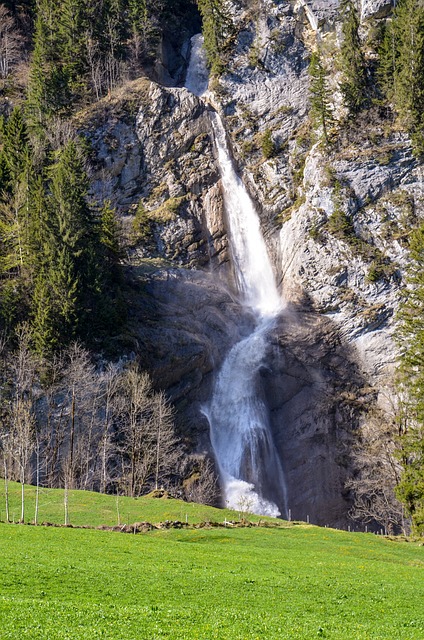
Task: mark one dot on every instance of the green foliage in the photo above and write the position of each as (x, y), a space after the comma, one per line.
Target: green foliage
(216, 28)
(339, 223)
(352, 61)
(319, 97)
(411, 380)
(178, 584)
(401, 69)
(141, 224)
(15, 146)
(268, 145)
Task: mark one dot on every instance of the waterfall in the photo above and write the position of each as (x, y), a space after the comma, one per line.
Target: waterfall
(250, 469)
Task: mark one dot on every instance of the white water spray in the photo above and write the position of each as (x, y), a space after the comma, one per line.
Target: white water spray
(241, 438)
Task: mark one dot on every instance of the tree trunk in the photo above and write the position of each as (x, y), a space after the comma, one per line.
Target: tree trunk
(6, 489)
(22, 496)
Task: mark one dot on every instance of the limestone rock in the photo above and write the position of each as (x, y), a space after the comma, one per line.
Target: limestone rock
(376, 8)
(314, 390)
(329, 357)
(153, 158)
(184, 323)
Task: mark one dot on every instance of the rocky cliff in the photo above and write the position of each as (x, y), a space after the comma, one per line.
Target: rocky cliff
(332, 353)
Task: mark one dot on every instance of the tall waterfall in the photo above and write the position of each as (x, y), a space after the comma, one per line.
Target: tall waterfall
(250, 469)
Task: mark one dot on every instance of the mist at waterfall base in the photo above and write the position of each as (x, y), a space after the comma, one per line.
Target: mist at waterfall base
(250, 469)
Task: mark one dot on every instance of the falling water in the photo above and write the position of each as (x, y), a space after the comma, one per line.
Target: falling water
(241, 438)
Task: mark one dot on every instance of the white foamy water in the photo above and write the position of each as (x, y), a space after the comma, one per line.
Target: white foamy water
(240, 433)
(251, 263)
(197, 78)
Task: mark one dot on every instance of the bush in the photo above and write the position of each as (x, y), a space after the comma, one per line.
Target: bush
(267, 145)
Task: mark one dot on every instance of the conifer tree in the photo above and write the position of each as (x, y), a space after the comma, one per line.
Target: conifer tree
(411, 340)
(72, 23)
(73, 248)
(409, 73)
(352, 60)
(319, 96)
(387, 59)
(216, 27)
(15, 150)
(401, 71)
(40, 101)
(53, 69)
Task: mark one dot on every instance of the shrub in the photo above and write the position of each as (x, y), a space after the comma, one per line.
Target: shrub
(267, 145)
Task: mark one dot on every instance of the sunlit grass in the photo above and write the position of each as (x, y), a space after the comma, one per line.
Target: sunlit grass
(295, 581)
(89, 508)
(298, 582)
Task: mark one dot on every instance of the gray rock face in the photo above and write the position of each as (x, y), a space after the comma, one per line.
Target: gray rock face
(184, 322)
(154, 160)
(314, 389)
(322, 12)
(376, 8)
(319, 12)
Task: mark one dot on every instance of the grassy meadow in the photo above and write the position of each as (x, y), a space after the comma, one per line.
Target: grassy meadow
(95, 509)
(296, 581)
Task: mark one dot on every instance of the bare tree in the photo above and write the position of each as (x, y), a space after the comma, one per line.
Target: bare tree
(150, 450)
(21, 412)
(10, 43)
(52, 420)
(133, 411)
(95, 64)
(6, 453)
(378, 472)
(163, 437)
(202, 485)
(109, 381)
(81, 397)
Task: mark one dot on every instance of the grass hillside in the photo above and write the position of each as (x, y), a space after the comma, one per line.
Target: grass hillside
(237, 584)
(90, 508)
(297, 581)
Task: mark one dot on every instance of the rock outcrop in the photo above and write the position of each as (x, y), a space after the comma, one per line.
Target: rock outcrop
(153, 157)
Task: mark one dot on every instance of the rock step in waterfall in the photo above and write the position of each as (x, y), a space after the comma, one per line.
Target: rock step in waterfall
(251, 474)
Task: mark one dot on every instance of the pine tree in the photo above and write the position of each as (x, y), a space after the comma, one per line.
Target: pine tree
(353, 86)
(72, 23)
(73, 223)
(54, 68)
(319, 96)
(44, 322)
(15, 264)
(409, 74)
(216, 27)
(411, 341)
(16, 151)
(388, 53)
(401, 70)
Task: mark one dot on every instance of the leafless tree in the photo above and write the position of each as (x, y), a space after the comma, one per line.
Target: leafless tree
(81, 398)
(202, 485)
(6, 454)
(150, 450)
(10, 43)
(166, 443)
(378, 472)
(52, 421)
(95, 64)
(21, 414)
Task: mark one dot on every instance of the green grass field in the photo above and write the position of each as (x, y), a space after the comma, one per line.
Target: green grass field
(89, 508)
(297, 582)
